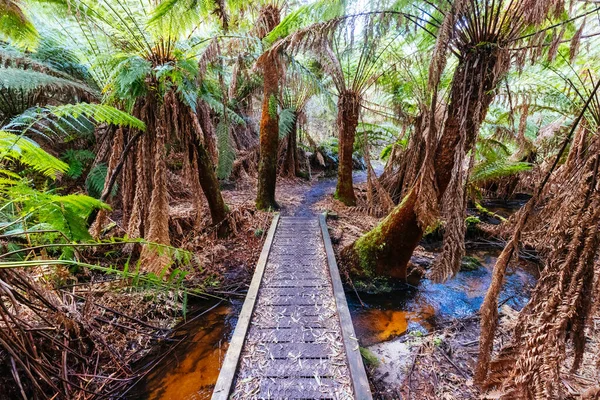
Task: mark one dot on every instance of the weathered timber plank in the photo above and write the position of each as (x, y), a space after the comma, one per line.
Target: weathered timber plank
(360, 383)
(227, 374)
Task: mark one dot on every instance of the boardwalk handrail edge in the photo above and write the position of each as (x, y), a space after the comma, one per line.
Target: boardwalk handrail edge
(227, 374)
(360, 383)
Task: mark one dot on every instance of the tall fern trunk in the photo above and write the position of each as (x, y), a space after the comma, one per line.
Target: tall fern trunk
(386, 250)
(347, 121)
(291, 166)
(269, 136)
(154, 260)
(210, 186)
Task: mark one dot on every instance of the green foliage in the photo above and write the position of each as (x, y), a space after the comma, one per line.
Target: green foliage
(99, 113)
(304, 16)
(492, 170)
(129, 77)
(78, 160)
(217, 107)
(386, 152)
(27, 208)
(94, 183)
(287, 120)
(69, 120)
(15, 25)
(226, 151)
(30, 80)
(377, 134)
(18, 148)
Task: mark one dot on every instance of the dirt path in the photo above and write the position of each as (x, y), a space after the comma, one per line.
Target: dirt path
(321, 188)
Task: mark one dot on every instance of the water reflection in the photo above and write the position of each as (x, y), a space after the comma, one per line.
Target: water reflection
(389, 315)
(191, 371)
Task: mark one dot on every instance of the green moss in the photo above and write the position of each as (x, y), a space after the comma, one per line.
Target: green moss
(367, 247)
(434, 231)
(470, 264)
(273, 106)
(369, 357)
(472, 221)
(488, 213)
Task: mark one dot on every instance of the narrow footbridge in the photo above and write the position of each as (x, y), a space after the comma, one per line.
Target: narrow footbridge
(294, 338)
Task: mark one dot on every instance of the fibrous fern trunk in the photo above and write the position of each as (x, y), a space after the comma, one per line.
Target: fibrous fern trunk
(347, 121)
(386, 249)
(291, 166)
(210, 185)
(269, 136)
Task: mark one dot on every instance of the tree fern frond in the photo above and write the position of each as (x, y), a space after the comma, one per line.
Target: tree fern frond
(217, 107)
(69, 119)
(15, 25)
(487, 171)
(100, 113)
(26, 151)
(29, 80)
(77, 161)
(287, 120)
(94, 183)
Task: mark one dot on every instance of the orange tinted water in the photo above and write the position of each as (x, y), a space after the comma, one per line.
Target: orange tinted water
(376, 325)
(191, 372)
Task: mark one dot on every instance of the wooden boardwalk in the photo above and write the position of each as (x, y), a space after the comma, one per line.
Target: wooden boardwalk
(294, 338)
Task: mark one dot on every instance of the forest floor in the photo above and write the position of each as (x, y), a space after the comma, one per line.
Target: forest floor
(438, 364)
(432, 363)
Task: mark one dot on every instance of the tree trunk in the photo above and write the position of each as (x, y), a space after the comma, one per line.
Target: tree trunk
(386, 249)
(347, 121)
(210, 186)
(291, 166)
(269, 136)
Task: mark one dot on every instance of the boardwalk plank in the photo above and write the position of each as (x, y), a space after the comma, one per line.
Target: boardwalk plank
(295, 345)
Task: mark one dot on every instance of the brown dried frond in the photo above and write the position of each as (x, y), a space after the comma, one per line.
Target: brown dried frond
(529, 366)
(209, 55)
(576, 40)
(445, 34)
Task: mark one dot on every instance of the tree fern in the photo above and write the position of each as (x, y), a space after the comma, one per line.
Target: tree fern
(28, 80)
(26, 151)
(287, 120)
(66, 120)
(77, 160)
(94, 183)
(492, 170)
(15, 25)
(226, 152)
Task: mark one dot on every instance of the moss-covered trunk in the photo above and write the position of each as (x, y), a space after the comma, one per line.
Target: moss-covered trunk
(386, 250)
(347, 121)
(269, 136)
(291, 166)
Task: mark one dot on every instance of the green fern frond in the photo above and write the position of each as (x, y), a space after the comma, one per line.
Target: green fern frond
(287, 120)
(489, 171)
(26, 151)
(69, 119)
(217, 107)
(78, 160)
(94, 183)
(100, 113)
(304, 16)
(226, 152)
(16, 26)
(30, 80)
